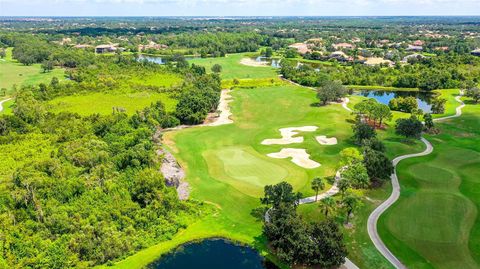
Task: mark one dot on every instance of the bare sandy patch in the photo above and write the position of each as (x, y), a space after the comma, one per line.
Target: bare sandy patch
(224, 108)
(299, 157)
(323, 140)
(287, 135)
(252, 62)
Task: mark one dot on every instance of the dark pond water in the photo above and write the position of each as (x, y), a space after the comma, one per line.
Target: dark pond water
(423, 98)
(212, 254)
(157, 59)
(271, 61)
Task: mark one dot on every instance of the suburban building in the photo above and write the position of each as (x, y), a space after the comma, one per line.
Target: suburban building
(418, 43)
(412, 56)
(340, 56)
(414, 48)
(302, 48)
(372, 61)
(152, 45)
(105, 48)
(340, 46)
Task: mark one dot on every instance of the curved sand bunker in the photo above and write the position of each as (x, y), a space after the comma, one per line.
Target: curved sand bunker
(287, 135)
(252, 62)
(224, 108)
(299, 157)
(323, 140)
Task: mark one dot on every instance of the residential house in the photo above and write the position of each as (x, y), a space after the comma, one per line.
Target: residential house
(302, 48)
(340, 46)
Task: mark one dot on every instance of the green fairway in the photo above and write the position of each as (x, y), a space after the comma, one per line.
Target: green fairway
(227, 165)
(14, 73)
(435, 223)
(103, 103)
(232, 68)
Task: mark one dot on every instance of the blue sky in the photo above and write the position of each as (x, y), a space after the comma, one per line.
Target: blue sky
(237, 7)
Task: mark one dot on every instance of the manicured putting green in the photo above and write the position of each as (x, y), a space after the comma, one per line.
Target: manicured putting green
(244, 169)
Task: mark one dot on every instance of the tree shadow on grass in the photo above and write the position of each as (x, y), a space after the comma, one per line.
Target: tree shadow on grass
(470, 102)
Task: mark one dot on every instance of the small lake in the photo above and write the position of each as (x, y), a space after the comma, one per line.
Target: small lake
(212, 254)
(423, 98)
(270, 61)
(157, 59)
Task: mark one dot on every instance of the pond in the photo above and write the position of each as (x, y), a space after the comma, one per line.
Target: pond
(212, 254)
(157, 59)
(423, 98)
(270, 61)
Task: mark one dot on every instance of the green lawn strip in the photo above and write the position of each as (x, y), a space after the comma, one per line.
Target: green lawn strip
(253, 83)
(103, 102)
(435, 222)
(232, 68)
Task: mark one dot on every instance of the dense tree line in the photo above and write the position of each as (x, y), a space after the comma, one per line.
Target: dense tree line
(441, 72)
(90, 193)
(295, 241)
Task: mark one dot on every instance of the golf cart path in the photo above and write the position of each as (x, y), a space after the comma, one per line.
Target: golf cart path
(334, 189)
(3, 101)
(375, 215)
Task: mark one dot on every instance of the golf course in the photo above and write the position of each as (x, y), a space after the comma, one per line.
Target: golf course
(228, 165)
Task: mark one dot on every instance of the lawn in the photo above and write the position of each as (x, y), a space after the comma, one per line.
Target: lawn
(435, 223)
(232, 68)
(104, 102)
(14, 73)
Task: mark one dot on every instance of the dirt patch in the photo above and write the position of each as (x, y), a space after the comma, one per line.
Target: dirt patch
(252, 62)
(174, 174)
(323, 140)
(299, 157)
(287, 135)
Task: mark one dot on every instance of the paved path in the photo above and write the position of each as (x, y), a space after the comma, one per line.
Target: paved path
(375, 215)
(334, 189)
(3, 101)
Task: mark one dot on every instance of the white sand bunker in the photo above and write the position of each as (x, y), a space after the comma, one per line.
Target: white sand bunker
(224, 108)
(287, 135)
(323, 140)
(252, 62)
(299, 157)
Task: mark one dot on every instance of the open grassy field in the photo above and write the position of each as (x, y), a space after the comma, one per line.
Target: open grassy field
(232, 68)
(103, 103)
(435, 223)
(14, 73)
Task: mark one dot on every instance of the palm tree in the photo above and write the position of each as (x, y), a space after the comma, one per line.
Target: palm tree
(317, 184)
(327, 205)
(351, 202)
